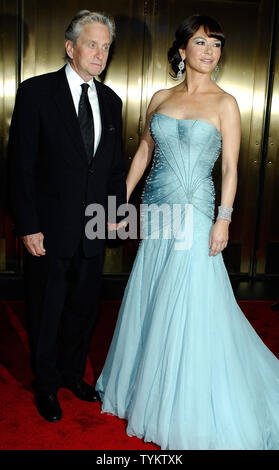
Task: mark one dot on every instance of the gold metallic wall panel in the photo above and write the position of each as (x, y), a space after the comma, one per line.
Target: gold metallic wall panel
(8, 78)
(269, 233)
(138, 68)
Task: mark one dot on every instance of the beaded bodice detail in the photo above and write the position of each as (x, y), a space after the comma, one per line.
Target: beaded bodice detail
(185, 153)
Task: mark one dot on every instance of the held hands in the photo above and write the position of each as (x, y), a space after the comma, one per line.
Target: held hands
(115, 226)
(218, 239)
(34, 244)
(219, 236)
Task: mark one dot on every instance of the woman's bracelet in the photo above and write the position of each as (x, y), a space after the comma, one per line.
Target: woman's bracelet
(225, 213)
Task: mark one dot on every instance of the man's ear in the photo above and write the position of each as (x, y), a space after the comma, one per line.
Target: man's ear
(69, 46)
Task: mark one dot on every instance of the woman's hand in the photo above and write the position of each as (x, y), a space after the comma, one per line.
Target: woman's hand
(116, 226)
(219, 237)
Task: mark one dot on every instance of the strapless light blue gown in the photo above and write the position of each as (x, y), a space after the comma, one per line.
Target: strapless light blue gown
(185, 367)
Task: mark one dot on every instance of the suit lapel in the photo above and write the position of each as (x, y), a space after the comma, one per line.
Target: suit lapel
(64, 101)
(105, 111)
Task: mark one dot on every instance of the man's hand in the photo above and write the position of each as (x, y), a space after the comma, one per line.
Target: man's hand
(34, 244)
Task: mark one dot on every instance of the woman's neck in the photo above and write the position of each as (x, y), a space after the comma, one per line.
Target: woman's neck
(196, 82)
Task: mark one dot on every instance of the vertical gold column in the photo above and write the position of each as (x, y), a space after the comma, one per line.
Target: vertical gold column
(125, 76)
(8, 76)
(268, 247)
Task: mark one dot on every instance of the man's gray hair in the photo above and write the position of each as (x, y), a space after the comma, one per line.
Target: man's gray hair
(74, 29)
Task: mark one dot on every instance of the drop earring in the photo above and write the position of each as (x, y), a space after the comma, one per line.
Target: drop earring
(181, 67)
(216, 71)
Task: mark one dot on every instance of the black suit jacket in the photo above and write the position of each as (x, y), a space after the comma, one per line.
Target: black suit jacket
(51, 180)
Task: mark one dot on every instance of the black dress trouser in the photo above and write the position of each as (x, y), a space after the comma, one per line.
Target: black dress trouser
(62, 296)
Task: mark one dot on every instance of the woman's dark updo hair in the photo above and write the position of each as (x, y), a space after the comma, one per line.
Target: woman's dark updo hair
(187, 29)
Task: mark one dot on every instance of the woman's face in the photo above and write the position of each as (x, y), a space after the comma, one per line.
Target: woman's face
(202, 53)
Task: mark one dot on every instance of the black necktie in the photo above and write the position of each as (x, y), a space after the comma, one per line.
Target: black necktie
(85, 118)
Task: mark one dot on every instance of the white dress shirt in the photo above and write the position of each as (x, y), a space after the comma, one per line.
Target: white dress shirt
(75, 82)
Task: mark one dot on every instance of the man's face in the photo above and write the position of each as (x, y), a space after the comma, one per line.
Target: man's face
(89, 54)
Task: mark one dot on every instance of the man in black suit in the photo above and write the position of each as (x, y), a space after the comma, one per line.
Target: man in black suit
(65, 150)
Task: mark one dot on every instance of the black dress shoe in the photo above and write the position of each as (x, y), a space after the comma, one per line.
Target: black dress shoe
(275, 307)
(84, 391)
(48, 407)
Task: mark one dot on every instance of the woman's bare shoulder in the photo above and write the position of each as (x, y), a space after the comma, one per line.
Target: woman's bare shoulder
(229, 112)
(158, 98)
(226, 99)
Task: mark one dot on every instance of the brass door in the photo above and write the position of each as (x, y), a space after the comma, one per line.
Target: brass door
(267, 242)
(8, 83)
(138, 67)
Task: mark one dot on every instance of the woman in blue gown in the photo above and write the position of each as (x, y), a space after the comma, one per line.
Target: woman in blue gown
(185, 368)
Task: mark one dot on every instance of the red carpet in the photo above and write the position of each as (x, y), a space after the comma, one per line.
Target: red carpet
(83, 427)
